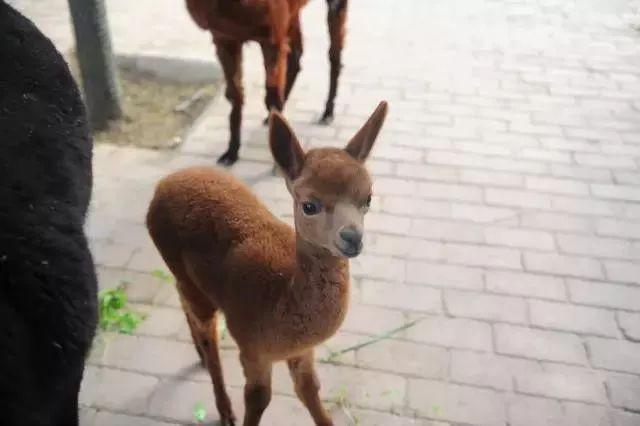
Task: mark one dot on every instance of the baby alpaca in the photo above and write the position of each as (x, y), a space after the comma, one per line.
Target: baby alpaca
(282, 292)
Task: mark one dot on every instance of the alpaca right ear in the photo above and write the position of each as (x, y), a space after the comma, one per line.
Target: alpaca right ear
(284, 145)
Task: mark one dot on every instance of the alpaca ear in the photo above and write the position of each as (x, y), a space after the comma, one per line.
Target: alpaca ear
(285, 148)
(360, 145)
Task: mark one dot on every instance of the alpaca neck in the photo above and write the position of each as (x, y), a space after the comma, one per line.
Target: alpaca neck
(316, 266)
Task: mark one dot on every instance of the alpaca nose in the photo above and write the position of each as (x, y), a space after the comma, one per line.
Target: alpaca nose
(352, 236)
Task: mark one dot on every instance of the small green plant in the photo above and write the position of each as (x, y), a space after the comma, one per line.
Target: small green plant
(340, 399)
(199, 412)
(437, 410)
(162, 275)
(114, 315)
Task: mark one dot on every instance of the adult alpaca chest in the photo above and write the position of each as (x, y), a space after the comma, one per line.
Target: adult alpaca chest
(282, 292)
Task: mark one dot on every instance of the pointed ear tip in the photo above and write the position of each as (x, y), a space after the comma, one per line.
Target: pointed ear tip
(383, 105)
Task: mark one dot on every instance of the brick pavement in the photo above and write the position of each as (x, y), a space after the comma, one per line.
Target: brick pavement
(506, 218)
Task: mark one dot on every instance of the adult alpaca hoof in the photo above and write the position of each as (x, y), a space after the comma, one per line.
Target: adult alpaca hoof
(228, 158)
(265, 121)
(227, 421)
(327, 118)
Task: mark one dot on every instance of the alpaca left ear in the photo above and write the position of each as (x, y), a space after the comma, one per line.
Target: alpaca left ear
(360, 145)
(284, 145)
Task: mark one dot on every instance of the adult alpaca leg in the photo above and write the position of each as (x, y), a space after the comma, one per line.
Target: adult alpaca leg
(230, 55)
(336, 20)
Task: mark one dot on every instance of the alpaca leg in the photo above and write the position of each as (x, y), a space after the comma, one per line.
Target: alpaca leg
(336, 19)
(69, 410)
(294, 56)
(275, 66)
(202, 320)
(230, 56)
(307, 387)
(257, 389)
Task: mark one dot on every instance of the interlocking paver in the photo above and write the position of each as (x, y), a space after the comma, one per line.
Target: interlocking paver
(506, 189)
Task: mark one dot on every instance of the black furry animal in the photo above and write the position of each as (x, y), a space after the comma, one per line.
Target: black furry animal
(47, 277)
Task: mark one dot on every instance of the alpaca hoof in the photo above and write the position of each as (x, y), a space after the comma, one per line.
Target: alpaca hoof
(228, 158)
(327, 118)
(265, 121)
(228, 420)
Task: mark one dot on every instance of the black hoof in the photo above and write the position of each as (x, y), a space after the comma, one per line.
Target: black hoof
(228, 422)
(228, 158)
(265, 121)
(326, 119)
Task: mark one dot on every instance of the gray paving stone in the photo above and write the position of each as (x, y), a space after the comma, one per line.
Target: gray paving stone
(616, 355)
(624, 391)
(104, 418)
(453, 333)
(489, 370)
(629, 325)
(539, 344)
(525, 284)
(405, 358)
(402, 296)
(604, 294)
(465, 304)
(562, 385)
(579, 319)
(456, 403)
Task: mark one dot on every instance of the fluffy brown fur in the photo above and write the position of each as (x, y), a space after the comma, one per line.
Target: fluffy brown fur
(275, 24)
(282, 292)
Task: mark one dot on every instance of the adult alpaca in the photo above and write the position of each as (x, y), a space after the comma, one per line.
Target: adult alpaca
(47, 278)
(275, 25)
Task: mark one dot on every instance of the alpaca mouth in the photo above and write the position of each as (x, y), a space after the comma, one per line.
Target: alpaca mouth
(350, 251)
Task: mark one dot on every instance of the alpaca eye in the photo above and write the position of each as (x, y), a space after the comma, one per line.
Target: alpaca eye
(311, 208)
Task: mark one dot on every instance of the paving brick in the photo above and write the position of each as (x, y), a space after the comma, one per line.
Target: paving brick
(514, 237)
(456, 403)
(601, 160)
(625, 419)
(464, 304)
(364, 388)
(624, 271)
(533, 411)
(416, 207)
(618, 228)
(447, 191)
(401, 296)
(624, 391)
(372, 319)
(111, 255)
(576, 413)
(615, 355)
(446, 230)
(559, 186)
(616, 192)
(146, 259)
(378, 267)
(585, 206)
(406, 247)
(394, 186)
(383, 222)
(488, 370)
(587, 387)
(376, 418)
(481, 214)
(579, 319)
(104, 418)
(581, 172)
(486, 177)
(562, 265)
(545, 155)
(555, 221)
(539, 344)
(515, 198)
(629, 325)
(439, 275)
(405, 358)
(452, 333)
(420, 171)
(141, 354)
(160, 321)
(604, 294)
(121, 391)
(525, 284)
(595, 246)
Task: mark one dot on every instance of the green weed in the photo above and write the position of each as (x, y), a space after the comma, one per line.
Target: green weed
(114, 314)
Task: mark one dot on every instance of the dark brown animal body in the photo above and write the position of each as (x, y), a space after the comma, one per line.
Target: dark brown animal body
(275, 25)
(282, 292)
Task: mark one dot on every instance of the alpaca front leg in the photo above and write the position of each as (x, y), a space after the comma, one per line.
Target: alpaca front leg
(307, 387)
(257, 389)
(230, 56)
(336, 19)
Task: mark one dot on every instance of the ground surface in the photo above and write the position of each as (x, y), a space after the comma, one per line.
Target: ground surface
(506, 216)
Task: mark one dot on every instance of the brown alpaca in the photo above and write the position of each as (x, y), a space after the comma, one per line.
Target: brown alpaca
(275, 24)
(282, 292)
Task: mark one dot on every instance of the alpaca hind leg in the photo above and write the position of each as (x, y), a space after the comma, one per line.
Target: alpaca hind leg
(294, 56)
(307, 387)
(275, 66)
(336, 19)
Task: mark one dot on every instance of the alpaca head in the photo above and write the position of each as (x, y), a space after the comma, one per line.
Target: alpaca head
(330, 187)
